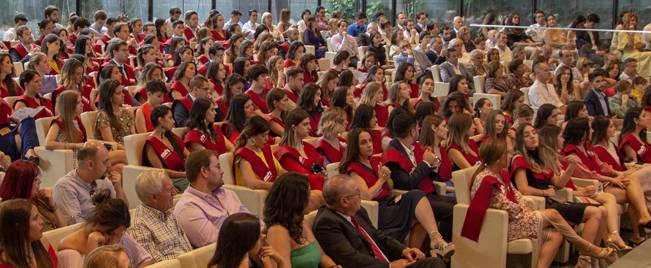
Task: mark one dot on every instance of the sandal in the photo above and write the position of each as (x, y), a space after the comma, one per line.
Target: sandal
(440, 247)
(612, 242)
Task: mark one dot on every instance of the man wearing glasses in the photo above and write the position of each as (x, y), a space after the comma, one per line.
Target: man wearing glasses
(199, 88)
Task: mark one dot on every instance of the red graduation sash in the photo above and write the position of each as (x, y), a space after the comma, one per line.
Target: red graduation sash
(59, 123)
(370, 176)
(382, 115)
(218, 145)
(333, 155)
(640, 147)
(291, 95)
(480, 203)
(170, 158)
(313, 157)
(605, 156)
(260, 102)
(146, 109)
(31, 103)
(395, 156)
(178, 86)
(186, 102)
(261, 169)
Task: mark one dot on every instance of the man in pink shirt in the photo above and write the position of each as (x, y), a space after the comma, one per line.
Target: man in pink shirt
(205, 204)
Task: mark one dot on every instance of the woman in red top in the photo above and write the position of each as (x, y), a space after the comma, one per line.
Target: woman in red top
(310, 68)
(372, 96)
(163, 149)
(204, 133)
(462, 150)
(21, 224)
(279, 103)
(328, 83)
(234, 86)
(239, 112)
(425, 95)
(67, 131)
(310, 101)
(330, 145)
(156, 89)
(72, 78)
(51, 46)
(181, 85)
(365, 118)
(433, 135)
(512, 100)
(31, 82)
(399, 97)
(406, 73)
(375, 74)
(633, 144)
(203, 50)
(217, 32)
(216, 74)
(233, 52)
(398, 214)
(297, 155)
(8, 87)
(293, 58)
(151, 72)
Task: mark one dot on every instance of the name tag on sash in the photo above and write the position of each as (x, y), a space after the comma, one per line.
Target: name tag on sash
(165, 153)
(267, 177)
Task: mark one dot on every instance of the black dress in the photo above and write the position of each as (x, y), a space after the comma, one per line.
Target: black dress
(571, 212)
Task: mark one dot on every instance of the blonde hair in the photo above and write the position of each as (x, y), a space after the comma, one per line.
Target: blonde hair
(104, 256)
(370, 93)
(332, 121)
(150, 182)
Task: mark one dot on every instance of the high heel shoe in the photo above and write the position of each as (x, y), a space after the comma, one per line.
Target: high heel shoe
(583, 262)
(440, 247)
(607, 254)
(612, 240)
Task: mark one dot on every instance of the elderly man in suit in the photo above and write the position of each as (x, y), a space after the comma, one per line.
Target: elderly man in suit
(596, 100)
(452, 67)
(345, 233)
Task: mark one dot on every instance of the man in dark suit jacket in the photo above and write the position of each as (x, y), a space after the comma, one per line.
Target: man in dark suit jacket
(596, 100)
(452, 67)
(586, 37)
(341, 240)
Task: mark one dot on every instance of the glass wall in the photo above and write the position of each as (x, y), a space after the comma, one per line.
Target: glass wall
(567, 10)
(162, 8)
(33, 9)
(439, 10)
(475, 10)
(114, 8)
(641, 7)
(347, 8)
(296, 7)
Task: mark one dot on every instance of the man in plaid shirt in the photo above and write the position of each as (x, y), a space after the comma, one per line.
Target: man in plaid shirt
(152, 223)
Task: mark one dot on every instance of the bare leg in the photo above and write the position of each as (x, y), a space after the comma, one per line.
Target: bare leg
(553, 218)
(612, 207)
(549, 248)
(416, 236)
(592, 219)
(636, 197)
(425, 217)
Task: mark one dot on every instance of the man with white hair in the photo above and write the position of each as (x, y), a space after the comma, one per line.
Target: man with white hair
(152, 223)
(457, 23)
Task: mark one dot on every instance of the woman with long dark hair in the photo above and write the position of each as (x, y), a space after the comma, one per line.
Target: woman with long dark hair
(512, 100)
(203, 132)
(279, 104)
(21, 237)
(547, 115)
(216, 74)
(633, 144)
(163, 149)
(113, 121)
(310, 66)
(294, 54)
(240, 110)
(8, 86)
(365, 118)
(287, 232)
(255, 165)
(463, 150)
(241, 244)
(407, 73)
(234, 85)
(433, 136)
(426, 84)
(51, 46)
(375, 74)
(398, 214)
(181, 83)
(310, 101)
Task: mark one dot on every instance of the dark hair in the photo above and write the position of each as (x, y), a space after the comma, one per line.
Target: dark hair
(362, 117)
(371, 73)
(457, 97)
(275, 95)
(576, 131)
(509, 100)
(110, 214)
(161, 111)
(480, 103)
(306, 99)
(197, 115)
(80, 45)
(600, 125)
(544, 112)
(293, 48)
(255, 125)
(340, 57)
(256, 71)
(154, 86)
(491, 120)
(26, 77)
(15, 215)
(402, 71)
(180, 70)
(346, 78)
(425, 109)
(339, 100)
(195, 162)
(232, 80)
(629, 124)
(292, 118)
(178, 52)
(286, 202)
(239, 65)
(573, 109)
(352, 150)
(235, 116)
(402, 124)
(392, 117)
(106, 91)
(239, 234)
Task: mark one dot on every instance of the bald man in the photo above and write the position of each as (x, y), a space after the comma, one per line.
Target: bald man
(74, 192)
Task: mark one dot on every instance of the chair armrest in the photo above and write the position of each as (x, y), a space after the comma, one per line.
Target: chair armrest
(252, 199)
(585, 182)
(373, 209)
(534, 202)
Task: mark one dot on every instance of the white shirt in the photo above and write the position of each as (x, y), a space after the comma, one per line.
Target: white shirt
(229, 23)
(10, 35)
(535, 32)
(505, 55)
(540, 94)
(249, 29)
(342, 43)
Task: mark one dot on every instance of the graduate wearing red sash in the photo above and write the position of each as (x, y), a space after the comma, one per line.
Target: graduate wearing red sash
(312, 165)
(35, 102)
(259, 99)
(216, 144)
(82, 129)
(170, 158)
(328, 151)
(641, 148)
(264, 169)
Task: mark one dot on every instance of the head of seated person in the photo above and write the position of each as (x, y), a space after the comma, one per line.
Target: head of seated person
(20, 223)
(111, 256)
